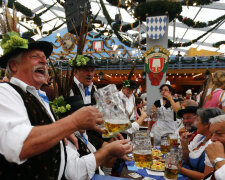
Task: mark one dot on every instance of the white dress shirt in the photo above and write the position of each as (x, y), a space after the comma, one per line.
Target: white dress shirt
(87, 99)
(15, 127)
(130, 103)
(219, 174)
(87, 163)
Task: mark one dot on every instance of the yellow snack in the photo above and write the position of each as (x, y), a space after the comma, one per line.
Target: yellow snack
(157, 165)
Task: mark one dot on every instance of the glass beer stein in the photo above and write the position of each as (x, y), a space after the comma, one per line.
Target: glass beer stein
(171, 165)
(173, 140)
(152, 139)
(165, 144)
(142, 149)
(111, 106)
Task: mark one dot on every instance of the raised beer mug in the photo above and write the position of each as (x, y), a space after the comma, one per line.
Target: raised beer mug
(142, 149)
(171, 165)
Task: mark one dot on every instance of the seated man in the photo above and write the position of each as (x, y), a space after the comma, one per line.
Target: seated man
(30, 139)
(189, 131)
(216, 150)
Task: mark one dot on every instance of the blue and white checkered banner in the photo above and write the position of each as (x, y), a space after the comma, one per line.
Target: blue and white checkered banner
(156, 26)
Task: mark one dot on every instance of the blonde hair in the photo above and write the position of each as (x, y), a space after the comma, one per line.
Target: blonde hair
(218, 81)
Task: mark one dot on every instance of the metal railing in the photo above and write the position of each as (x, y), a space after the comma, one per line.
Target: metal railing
(186, 62)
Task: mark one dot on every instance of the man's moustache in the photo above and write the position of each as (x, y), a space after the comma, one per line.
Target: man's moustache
(89, 77)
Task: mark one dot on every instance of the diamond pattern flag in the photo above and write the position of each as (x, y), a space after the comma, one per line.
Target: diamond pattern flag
(156, 26)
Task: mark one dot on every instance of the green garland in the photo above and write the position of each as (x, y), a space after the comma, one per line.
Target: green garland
(172, 44)
(126, 27)
(110, 21)
(156, 8)
(118, 3)
(196, 24)
(61, 3)
(218, 44)
(114, 61)
(220, 58)
(197, 2)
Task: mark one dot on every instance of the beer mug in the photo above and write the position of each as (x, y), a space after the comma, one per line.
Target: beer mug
(142, 149)
(165, 143)
(111, 106)
(117, 121)
(173, 140)
(145, 122)
(171, 165)
(152, 139)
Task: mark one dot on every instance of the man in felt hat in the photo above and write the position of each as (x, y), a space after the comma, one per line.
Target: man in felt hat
(84, 73)
(128, 98)
(189, 131)
(30, 139)
(188, 116)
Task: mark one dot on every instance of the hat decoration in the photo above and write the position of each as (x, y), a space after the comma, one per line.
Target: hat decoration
(81, 60)
(126, 83)
(11, 41)
(12, 44)
(8, 27)
(129, 83)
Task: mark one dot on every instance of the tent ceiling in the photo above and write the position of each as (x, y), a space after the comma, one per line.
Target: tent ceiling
(56, 16)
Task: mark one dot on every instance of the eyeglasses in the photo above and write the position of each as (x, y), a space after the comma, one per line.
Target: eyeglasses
(164, 90)
(189, 117)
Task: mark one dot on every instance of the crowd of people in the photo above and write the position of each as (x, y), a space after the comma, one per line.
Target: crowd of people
(35, 145)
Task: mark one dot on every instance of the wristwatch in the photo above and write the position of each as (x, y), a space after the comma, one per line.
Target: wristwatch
(218, 159)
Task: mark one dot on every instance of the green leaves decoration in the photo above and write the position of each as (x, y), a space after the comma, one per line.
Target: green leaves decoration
(80, 61)
(11, 41)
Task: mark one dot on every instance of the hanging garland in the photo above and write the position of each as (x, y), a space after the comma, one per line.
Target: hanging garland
(218, 44)
(61, 3)
(172, 44)
(196, 24)
(197, 2)
(220, 58)
(110, 21)
(124, 28)
(156, 8)
(118, 3)
(114, 61)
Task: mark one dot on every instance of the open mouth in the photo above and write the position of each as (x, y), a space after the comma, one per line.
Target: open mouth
(40, 70)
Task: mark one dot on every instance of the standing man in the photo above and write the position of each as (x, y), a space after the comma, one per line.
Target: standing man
(30, 139)
(84, 73)
(127, 95)
(128, 98)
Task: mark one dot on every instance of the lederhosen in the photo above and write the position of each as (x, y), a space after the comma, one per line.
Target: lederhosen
(44, 166)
